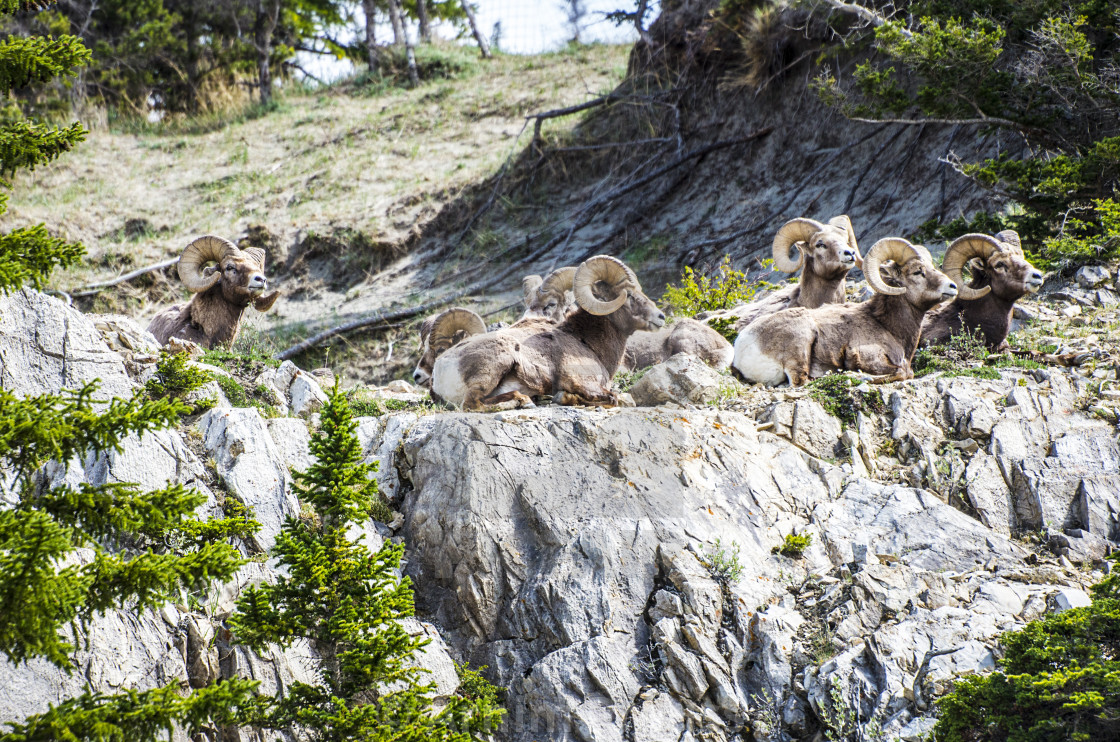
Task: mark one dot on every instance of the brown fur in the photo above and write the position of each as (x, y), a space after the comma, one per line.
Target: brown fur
(691, 336)
(878, 336)
(1011, 278)
(822, 280)
(213, 317)
(574, 360)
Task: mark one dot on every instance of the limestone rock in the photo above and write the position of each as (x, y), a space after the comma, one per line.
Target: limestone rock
(683, 379)
(46, 346)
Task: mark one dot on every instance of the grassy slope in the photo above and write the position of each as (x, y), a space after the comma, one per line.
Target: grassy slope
(373, 159)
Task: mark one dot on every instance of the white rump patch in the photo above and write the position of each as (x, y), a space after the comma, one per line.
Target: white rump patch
(753, 364)
(447, 382)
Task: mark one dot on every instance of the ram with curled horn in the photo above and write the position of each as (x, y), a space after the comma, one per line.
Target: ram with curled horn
(878, 336)
(440, 333)
(550, 297)
(573, 360)
(825, 254)
(225, 280)
(1001, 276)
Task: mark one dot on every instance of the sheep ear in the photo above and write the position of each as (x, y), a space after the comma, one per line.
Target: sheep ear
(256, 254)
(891, 273)
(264, 303)
(209, 271)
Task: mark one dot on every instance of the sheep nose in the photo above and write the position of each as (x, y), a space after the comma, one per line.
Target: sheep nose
(258, 282)
(1036, 276)
(848, 255)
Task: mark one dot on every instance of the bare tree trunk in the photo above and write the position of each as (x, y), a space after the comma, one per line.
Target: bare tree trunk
(373, 57)
(639, 17)
(410, 54)
(425, 23)
(483, 46)
(268, 14)
(397, 21)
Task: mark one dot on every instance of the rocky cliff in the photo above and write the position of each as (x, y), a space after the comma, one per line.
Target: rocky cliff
(622, 572)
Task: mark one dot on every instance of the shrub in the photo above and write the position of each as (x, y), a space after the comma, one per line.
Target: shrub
(794, 546)
(474, 686)
(843, 396)
(175, 378)
(723, 564)
(952, 358)
(699, 293)
(1059, 679)
(724, 326)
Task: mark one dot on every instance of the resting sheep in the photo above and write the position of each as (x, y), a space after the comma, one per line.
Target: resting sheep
(574, 360)
(549, 298)
(440, 332)
(686, 335)
(878, 336)
(826, 252)
(222, 293)
(1001, 276)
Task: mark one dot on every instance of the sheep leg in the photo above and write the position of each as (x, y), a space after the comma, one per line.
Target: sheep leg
(586, 398)
(499, 402)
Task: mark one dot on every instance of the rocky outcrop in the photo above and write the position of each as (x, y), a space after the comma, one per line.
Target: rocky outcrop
(626, 573)
(602, 604)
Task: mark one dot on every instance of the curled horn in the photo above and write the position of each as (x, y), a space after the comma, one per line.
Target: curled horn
(529, 285)
(454, 320)
(963, 250)
(203, 250)
(888, 248)
(609, 270)
(1010, 238)
(560, 280)
(795, 230)
(844, 223)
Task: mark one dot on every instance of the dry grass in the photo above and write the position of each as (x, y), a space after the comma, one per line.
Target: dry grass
(377, 161)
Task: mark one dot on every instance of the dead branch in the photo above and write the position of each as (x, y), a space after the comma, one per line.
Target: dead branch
(920, 702)
(589, 212)
(568, 111)
(94, 288)
(866, 14)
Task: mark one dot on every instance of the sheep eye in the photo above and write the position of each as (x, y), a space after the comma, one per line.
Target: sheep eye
(820, 245)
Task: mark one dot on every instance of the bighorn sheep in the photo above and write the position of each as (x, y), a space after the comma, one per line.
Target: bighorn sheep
(1001, 276)
(551, 297)
(826, 252)
(574, 360)
(878, 336)
(440, 332)
(686, 335)
(222, 292)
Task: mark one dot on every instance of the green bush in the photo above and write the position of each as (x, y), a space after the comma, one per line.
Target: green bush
(794, 546)
(175, 378)
(953, 358)
(724, 326)
(699, 293)
(474, 686)
(840, 396)
(723, 563)
(1059, 679)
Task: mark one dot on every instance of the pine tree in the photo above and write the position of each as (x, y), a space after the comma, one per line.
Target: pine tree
(346, 601)
(29, 255)
(138, 548)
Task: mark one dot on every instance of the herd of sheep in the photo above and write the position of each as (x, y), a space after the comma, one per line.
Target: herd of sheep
(583, 324)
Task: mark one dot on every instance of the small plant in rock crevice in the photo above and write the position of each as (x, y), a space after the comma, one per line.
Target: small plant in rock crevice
(844, 396)
(175, 378)
(794, 546)
(723, 562)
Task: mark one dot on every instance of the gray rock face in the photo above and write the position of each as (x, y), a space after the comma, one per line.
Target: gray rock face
(683, 379)
(250, 464)
(46, 346)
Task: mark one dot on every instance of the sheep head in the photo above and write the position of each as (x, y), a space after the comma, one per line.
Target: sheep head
(438, 333)
(551, 297)
(828, 250)
(997, 264)
(894, 267)
(239, 273)
(605, 286)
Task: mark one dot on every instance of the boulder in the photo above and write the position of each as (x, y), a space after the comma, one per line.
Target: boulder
(683, 379)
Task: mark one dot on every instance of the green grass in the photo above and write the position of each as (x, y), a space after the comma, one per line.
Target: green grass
(841, 396)
(794, 546)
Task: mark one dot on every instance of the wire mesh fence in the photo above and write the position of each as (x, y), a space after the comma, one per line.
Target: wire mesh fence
(534, 26)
